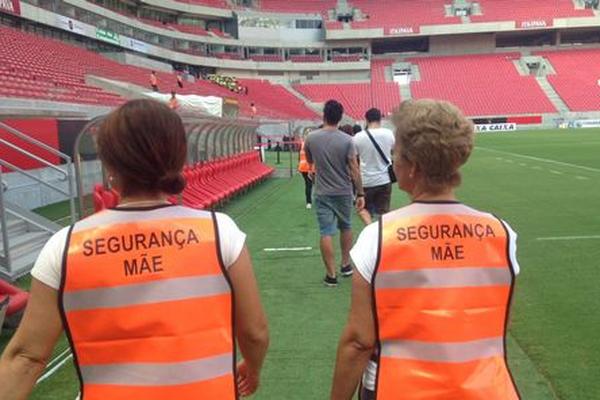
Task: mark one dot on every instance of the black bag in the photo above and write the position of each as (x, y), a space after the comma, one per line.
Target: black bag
(390, 167)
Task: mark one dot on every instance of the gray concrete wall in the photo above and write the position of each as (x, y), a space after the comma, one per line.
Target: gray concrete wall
(139, 61)
(319, 75)
(283, 35)
(463, 44)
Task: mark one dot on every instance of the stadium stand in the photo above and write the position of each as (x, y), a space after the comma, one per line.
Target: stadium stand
(347, 57)
(297, 6)
(481, 85)
(191, 29)
(228, 56)
(277, 98)
(207, 3)
(334, 25)
(576, 79)
(378, 67)
(185, 28)
(266, 58)
(356, 98)
(308, 58)
(410, 16)
(219, 33)
(30, 68)
(528, 12)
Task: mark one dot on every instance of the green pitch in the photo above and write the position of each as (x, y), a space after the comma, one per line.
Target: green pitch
(546, 184)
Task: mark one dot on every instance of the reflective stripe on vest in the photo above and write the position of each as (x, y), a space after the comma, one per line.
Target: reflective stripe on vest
(147, 306)
(442, 290)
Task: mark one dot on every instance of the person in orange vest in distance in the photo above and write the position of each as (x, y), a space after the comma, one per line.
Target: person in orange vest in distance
(308, 173)
(434, 281)
(180, 79)
(154, 296)
(173, 102)
(154, 81)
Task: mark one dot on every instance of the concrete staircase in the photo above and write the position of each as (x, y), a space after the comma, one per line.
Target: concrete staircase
(405, 93)
(27, 233)
(316, 107)
(554, 97)
(23, 233)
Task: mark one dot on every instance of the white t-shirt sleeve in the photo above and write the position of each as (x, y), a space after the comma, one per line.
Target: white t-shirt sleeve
(231, 238)
(391, 139)
(365, 251)
(512, 248)
(48, 266)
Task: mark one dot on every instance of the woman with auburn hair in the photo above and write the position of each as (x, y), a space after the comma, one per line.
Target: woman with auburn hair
(431, 298)
(153, 296)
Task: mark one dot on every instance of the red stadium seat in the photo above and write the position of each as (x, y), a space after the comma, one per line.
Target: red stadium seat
(29, 68)
(211, 183)
(104, 198)
(576, 79)
(17, 301)
(524, 12)
(488, 84)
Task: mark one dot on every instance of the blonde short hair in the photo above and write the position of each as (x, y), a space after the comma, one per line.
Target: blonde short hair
(437, 138)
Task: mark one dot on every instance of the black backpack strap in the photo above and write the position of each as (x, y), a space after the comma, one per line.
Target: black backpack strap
(376, 145)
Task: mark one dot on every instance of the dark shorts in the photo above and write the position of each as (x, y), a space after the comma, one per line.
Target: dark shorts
(377, 199)
(333, 213)
(366, 394)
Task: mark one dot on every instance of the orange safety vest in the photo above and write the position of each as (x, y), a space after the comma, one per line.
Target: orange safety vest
(303, 164)
(173, 104)
(442, 292)
(148, 306)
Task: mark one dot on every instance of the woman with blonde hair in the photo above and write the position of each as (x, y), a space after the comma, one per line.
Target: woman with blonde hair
(431, 298)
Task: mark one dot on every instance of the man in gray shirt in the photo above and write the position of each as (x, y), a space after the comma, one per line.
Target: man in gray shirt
(333, 154)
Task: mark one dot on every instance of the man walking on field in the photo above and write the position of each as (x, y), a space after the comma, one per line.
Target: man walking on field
(332, 152)
(374, 147)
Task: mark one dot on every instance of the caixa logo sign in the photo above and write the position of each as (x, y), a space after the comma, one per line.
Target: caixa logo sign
(496, 127)
(403, 30)
(533, 24)
(12, 6)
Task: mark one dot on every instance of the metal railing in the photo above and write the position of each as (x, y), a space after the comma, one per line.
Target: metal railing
(68, 162)
(65, 175)
(5, 257)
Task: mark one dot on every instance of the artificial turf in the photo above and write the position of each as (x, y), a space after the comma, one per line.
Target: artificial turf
(544, 183)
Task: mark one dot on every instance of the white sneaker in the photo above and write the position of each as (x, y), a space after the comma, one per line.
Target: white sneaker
(308, 206)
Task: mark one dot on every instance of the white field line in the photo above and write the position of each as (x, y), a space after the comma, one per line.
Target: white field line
(53, 370)
(278, 249)
(556, 238)
(58, 357)
(546, 160)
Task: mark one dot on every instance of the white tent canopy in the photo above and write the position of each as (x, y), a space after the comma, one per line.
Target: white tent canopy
(189, 104)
